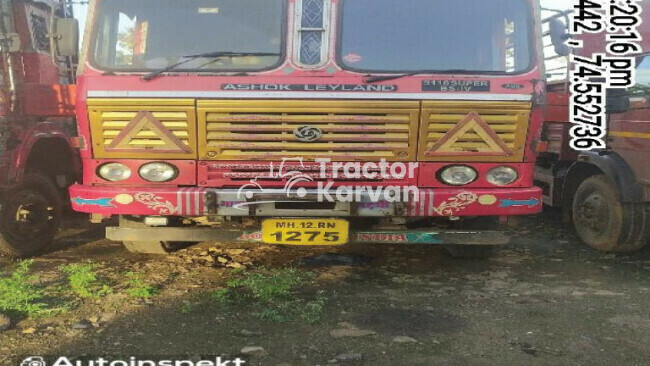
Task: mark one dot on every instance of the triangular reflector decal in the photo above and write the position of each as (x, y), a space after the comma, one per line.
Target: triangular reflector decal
(488, 142)
(146, 122)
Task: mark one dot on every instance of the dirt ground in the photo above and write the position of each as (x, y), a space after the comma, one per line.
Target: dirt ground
(543, 300)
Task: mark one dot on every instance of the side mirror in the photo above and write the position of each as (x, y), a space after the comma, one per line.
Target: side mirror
(618, 101)
(64, 37)
(559, 35)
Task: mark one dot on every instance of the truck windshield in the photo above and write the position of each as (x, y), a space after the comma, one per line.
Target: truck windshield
(147, 35)
(436, 35)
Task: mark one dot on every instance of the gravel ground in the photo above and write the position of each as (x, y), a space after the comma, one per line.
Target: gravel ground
(543, 300)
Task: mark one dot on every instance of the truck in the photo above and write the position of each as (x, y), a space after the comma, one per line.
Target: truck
(310, 122)
(38, 154)
(604, 193)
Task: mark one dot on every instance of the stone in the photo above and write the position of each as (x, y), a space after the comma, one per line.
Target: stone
(349, 357)
(250, 333)
(350, 333)
(82, 325)
(254, 351)
(107, 317)
(208, 259)
(5, 322)
(607, 293)
(404, 339)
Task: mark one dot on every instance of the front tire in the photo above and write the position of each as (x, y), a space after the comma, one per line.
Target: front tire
(604, 223)
(30, 216)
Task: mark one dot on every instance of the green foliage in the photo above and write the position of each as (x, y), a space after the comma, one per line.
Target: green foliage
(275, 314)
(312, 311)
(237, 271)
(286, 310)
(187, 307)
(84, 281)
(271, 294)
(270, 284)
(221, 295)
(18, 295)
(138, 287)
(639, 90)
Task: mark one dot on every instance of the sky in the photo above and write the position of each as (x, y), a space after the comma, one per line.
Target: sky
(557, 4)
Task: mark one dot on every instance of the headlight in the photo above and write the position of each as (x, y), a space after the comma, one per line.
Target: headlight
(114, 172)
(458, 175)
(158, 172)
(502, 176)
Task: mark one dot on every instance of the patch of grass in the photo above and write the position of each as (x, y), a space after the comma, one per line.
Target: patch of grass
(187, 307)
(270, 284)
(221, 295)
(276, 314)
(137, 287)
(312, 311)
(271, 294)
(18, 295)
(237, 271)
(84, 281)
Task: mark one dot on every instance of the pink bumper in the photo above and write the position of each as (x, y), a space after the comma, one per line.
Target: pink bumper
(148, 201)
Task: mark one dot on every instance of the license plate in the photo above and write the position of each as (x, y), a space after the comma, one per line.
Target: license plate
(305, 231)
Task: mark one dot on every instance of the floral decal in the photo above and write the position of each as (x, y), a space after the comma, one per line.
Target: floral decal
(455, 204)
(157, 203)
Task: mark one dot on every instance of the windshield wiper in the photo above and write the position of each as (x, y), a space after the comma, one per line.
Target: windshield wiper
(379, 78)
(215, 55)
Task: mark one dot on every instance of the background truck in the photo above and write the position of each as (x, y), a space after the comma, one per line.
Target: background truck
(605, 193)
(177, 128)
(38, 155)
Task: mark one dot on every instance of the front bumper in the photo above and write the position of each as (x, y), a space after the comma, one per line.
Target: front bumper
(196, 202)
(254, 235)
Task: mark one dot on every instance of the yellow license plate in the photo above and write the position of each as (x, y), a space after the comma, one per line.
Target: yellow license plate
(305, 231)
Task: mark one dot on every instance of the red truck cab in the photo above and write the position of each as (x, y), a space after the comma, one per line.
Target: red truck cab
(605, 193)
(38, 155)
(281, 98)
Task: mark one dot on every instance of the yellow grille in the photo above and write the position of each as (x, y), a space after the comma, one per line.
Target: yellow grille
(264, 130)
(110, 117)
(508, 120)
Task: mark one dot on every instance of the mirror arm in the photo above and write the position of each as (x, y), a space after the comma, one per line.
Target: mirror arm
(54, 36)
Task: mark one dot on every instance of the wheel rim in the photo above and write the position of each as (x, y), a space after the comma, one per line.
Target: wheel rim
(28, 216)
(593, 214)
